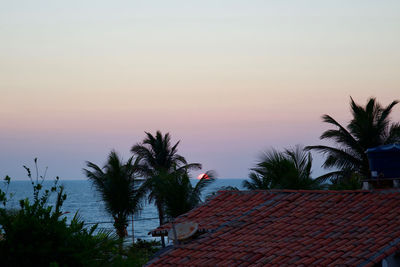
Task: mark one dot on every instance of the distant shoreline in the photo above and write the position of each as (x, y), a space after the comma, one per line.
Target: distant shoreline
(82, 179)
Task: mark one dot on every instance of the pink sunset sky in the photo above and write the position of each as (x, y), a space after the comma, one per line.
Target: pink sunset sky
(230, 79)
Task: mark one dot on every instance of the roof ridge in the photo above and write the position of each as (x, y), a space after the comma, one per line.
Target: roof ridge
(281, 192)
(354, 227)
(387, 190)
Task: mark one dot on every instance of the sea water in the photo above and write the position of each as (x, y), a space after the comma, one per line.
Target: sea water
(83, 199)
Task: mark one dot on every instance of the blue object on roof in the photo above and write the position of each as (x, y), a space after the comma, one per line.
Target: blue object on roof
(384, 161)
(389, 147)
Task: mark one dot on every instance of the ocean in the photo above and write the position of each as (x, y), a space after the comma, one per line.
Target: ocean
(83, 198)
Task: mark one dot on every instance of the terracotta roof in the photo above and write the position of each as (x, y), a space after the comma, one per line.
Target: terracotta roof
(222, 208)
(264, 228)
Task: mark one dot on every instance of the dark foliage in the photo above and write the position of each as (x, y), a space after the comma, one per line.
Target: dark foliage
(179, 194)
(159, 161)
(345, 180)
(369, 127)
(290, 169)
(118, 187)
(36, 234)
(138, 254)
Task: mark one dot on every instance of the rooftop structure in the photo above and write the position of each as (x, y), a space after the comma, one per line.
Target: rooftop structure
(384, 162)
(262, 228)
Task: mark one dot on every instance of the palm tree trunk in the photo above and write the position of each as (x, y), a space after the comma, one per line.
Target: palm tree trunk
(161, 219)
(367, 168)
(133, 233)
(120, 233)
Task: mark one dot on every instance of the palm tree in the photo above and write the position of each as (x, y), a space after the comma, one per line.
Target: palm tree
(267, 171)
(158, 161)
(345, 179)
(179, 194)
(118, 187)
(290, 169)
(369, 127)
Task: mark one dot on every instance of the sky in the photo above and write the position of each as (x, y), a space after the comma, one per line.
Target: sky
(230, 79)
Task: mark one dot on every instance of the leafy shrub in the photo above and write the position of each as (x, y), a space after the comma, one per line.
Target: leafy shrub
(138, 254)
(347, 180)
(37, 235)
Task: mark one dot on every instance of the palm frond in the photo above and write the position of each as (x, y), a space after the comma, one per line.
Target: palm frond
(329, 176)
(290, 169)
(256, 182)
(337, 156)
(341, 136)
(206, 180)
(393, 134)
(164, 168)
(369, 127)
(118, 187)
(383, 119)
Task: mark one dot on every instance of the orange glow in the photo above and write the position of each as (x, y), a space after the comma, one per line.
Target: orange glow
(203, 175)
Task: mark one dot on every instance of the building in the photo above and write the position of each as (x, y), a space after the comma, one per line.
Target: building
(278, 227)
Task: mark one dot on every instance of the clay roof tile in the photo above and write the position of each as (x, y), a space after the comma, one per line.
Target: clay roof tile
(291, 227)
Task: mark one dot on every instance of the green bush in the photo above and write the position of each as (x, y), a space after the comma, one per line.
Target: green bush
(36, 234)
(138, 254)
(348, 181)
